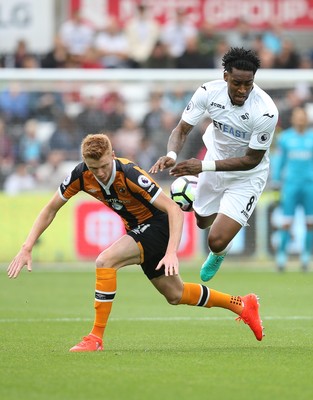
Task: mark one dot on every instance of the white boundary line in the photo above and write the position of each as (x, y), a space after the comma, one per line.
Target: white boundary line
(152, 319)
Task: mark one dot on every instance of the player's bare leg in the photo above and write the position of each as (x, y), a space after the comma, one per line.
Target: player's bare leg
(121, 253)
(220, 237)
(178, 292)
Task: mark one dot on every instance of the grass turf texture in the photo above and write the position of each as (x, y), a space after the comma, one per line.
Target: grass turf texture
(154, 350)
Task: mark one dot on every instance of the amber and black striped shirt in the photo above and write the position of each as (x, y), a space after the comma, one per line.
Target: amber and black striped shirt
(130, 192)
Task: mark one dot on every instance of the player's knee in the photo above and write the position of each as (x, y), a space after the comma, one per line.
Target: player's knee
(173, 300)
(102, 262)
(217, 243)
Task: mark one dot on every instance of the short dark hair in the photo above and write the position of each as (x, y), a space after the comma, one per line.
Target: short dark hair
(242, 59)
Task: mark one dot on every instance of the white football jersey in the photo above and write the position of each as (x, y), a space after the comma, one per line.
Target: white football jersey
(234, 128)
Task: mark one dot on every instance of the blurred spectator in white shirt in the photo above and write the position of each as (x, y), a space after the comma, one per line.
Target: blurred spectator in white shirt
(175, 33)
(77, 35)
(142, 32)
(112, 45)
(19, 181)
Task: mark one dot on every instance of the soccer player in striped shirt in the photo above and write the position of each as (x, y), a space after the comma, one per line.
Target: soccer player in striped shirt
(235, 168)
(153, 223)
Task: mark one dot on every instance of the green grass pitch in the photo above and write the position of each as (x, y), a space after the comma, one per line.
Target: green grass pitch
(154, 350)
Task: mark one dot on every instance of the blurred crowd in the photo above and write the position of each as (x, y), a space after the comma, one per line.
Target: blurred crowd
(40, 134)
(141, 42)
(40, 138)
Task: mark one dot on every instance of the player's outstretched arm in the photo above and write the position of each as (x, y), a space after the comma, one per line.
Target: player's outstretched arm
(176, 219)
(44, 219)
(193, 166)
(175, 144)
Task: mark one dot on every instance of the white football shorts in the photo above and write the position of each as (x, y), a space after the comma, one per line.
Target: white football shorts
(221, 192)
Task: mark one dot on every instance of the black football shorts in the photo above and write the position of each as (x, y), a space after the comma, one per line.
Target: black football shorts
(152, 239)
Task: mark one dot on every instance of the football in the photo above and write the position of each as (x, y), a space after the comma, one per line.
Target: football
(183, 190)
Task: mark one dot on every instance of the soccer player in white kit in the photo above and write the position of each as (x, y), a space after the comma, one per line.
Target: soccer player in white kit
(235, 168)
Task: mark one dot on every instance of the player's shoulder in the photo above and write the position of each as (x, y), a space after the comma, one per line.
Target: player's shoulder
(128, 168)
(262, 108)
(215, 85)
(262, 99)
(78, 170)
(135, 177)
(123, 164)
(75, 175)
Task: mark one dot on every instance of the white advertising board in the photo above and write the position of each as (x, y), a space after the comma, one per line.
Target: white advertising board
(30, 20)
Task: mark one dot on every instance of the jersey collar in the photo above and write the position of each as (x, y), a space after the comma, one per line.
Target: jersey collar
(111, 180)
